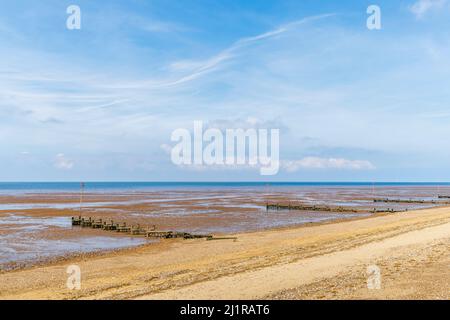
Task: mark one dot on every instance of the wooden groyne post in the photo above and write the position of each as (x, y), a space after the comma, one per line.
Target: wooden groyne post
(412, 201)
(328, 209)
(139, 231)
(291, 207)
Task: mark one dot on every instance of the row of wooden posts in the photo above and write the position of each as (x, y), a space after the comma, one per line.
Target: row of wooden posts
(303, 207)
(278, 206)
(416, 201)
(153, 233)
(137, 229)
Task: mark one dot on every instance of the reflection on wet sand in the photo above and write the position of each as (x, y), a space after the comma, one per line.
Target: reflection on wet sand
(37, 226)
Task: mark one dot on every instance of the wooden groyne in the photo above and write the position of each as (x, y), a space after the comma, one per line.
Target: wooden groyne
(412, 201)
(278, 206)
(302, 207)
(138, 230)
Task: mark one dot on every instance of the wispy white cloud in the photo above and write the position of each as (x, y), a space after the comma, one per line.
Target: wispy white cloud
(202, 67)
(421, 7)
(326, 163)
(55, 95)
(153, 25)
(166, 148)
(330, 81)
(290, 166)
(63, 163)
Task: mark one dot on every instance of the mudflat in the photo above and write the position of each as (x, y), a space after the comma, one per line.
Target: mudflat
(326, 261)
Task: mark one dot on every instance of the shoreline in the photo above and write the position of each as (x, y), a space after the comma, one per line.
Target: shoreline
(36, 230)
(71, 257)
(174, 267)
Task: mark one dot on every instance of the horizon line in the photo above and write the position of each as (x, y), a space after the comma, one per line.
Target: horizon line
(209, 181)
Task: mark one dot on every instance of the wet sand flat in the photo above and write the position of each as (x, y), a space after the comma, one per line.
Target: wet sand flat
(36, 227)
(323, 261)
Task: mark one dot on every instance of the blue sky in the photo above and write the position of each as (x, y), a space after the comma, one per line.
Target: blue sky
(100, 103)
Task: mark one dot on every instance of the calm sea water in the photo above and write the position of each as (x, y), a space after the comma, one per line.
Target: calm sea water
(25, 187)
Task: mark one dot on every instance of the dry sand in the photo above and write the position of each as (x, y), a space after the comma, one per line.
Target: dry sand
(321, 262)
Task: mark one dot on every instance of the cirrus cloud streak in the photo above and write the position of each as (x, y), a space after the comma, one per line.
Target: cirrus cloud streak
(327, 163)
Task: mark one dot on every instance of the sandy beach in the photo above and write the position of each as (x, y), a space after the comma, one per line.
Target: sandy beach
(326, 261)
(35, 227)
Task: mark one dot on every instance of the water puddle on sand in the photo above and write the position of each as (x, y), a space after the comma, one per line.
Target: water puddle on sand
(27, 222)
(75, 204)
(20, 241)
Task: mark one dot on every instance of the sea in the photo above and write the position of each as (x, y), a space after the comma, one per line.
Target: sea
(48, 187)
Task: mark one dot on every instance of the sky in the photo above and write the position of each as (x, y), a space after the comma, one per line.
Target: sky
(100, 103)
